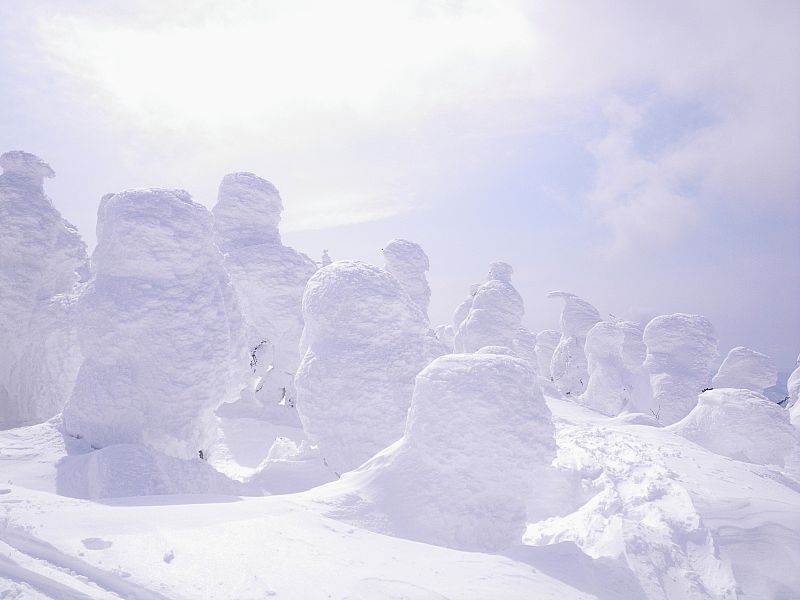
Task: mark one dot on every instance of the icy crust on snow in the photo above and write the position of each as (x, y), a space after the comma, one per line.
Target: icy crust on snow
(740, 424)
(408, 262)
(495, 316)
(681, 352)
(478, 436)
(746, 369)
(617, 381)
(157, 326)
(569, 367)
(269, 279)
(42, 259)
(365, 342)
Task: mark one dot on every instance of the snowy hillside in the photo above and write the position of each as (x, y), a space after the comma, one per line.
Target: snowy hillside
(201, 412)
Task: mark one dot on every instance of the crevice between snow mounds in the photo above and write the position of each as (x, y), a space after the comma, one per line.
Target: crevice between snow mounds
(269, 279)
(638, 513)
(42, 261)
(478, 439)
(159, 327)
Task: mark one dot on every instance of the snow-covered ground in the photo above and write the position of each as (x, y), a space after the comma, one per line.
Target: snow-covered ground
(642, 513)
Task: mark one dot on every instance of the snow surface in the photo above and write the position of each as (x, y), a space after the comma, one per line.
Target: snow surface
(158, 326)
(746, 369)
(366, 341)
(569, 365)
(42, 261)
(681, 353)
(269, 279)
(546, 344)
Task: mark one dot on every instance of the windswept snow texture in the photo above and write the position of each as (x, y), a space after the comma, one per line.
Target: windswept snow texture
(617, 380)
(746, 369)
(366, 341)
(157, 323)
(681, 352)
(546, 344)
(741, 424)
(495, 313)
(569, 367)
(408, 262)
(42, 259)
(269, 279)
(478, 435)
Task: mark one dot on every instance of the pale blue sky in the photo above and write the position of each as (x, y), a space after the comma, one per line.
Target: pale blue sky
(645, 155)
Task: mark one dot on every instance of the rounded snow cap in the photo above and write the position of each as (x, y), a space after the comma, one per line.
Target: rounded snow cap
(405, 252)
(24, 164)
(746, 369)
(497, 350)
(500, 271)
(685, 342)
(578, 316)
(248, 210)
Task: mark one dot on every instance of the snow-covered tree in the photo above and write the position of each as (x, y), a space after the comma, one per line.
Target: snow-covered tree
(569, 365)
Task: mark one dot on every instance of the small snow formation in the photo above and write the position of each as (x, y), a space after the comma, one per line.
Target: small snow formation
(42, 260)
(326, 258)
(681, 352)
(157, 327)
(746, 369)
(495, 313)
(569, 366)
(408, 262)
(365, 342)
(741, 424)
(269, 279)
(546, 344)
(478, 436)
(617, 380)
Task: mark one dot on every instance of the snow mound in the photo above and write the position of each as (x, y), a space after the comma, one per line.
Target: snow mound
(546, 344)
(617, 380)
(478, 435)
(740, 424)
(129, 470)
(42, 260)
(366, 341)
(746, 369)
(495, 313)
(793, 388)
(269, 279)
(408, 262)
(681, 352)
(569, 365)
(157, 326)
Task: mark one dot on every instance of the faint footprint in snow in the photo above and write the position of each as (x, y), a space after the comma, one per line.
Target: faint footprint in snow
(169, 556)
(96, 544)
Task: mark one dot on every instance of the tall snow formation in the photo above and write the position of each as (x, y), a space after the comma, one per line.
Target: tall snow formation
(495, 316)
(546, 344)
(746, 369)
(157, 325)
(326, 258)
(269, 279)
(741, 424)
(42, 259)
(365, 340)
(408, 262)
(681, 353)
(617, 380)
(793, 388)
(478, 437)
(569, 366)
